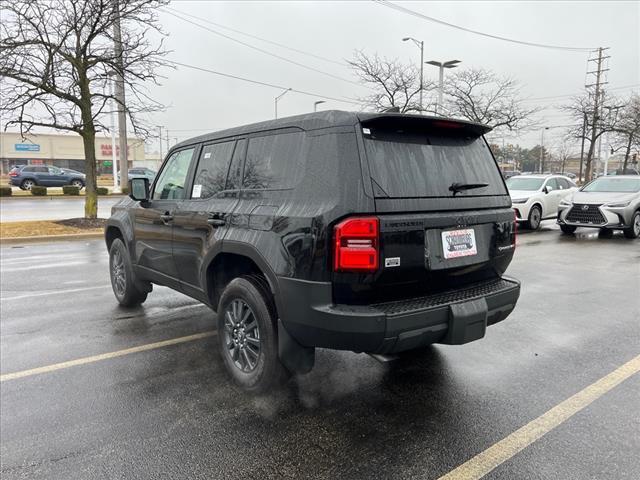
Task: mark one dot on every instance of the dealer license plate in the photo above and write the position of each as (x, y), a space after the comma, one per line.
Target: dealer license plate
(459, 243)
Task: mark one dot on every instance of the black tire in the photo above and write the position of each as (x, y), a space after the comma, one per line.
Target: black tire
(634, 230)
(568, 229)
(128, 291)
(27, 183)
(247, 335)
(78, 183)
(535, 218)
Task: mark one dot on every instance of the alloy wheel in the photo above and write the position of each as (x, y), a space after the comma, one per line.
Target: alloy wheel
(241, 335)
(27, 184)
(636, 224)
(117, 273)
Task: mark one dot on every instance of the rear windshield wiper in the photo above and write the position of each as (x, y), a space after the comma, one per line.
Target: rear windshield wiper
(459, 187)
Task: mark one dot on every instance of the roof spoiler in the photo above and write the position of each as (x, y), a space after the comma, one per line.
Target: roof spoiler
(421, 122)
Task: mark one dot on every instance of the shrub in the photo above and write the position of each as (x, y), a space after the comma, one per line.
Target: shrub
(70, 190)
(125, 190)
(5, 191)
(38, 191)
(102, 191)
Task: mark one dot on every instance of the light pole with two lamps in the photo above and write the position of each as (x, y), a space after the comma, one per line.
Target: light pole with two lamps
(442, 66)
(316, 103)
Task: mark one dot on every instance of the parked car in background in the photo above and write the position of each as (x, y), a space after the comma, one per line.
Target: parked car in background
(141, 172)
(509, 174)
(536, 197)
(26, 176)
(376, 233)
(626, 171)
(608, 203)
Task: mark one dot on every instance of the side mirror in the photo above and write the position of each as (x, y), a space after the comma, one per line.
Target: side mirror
(547, 189)
(139, 189)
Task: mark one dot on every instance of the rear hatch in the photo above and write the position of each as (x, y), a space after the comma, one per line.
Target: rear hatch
(445, 218)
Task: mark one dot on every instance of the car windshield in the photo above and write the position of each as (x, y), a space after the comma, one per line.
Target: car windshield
(619, 185)
(524, 183)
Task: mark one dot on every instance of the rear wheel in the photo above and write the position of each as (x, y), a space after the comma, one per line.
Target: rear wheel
(77, 183)
(127, 290)
(27, 184)
(568, 229)
(634, 230)
(535, 217)
(247, 335)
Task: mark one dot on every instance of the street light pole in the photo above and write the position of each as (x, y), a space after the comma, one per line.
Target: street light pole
(441, 66)
(419, 44)
(278, 98)
(315, 105)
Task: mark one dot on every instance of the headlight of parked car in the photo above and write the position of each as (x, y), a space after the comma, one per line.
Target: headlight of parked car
(566, 203)
(618, 204)
(519, 200)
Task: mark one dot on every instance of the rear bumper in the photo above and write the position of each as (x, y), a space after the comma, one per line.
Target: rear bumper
(452, 317)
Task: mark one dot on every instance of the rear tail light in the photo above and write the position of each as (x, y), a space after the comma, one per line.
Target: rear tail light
(13, 173)
(356, 245)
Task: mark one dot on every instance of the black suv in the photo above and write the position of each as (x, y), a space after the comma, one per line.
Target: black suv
(377, 233)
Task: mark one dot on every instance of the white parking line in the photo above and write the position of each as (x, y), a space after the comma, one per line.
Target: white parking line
(52, 292)
(104, 356)
(45, 265)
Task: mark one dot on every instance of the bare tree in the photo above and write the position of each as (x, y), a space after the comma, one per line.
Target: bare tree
(627, 131)
(564, 150)
(590, 124)
(482, 96)
(393, 83)
(56, 61)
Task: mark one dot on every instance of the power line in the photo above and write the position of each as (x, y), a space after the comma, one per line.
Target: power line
(578, 93)
(258, 82)
(287, 47)
(496, 37)
(266, 52)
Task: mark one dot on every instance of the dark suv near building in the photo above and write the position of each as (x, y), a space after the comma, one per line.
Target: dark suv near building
(26, 176)
(377, 233)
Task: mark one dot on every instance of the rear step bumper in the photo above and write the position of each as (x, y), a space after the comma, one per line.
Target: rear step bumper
(452, 317)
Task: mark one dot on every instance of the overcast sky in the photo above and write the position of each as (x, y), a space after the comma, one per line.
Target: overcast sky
(202, 101)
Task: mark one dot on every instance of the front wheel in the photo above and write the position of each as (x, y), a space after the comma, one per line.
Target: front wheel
(634, 229)
(78, 184)
(127, 290)
(535, 217)
(247, 335)
(568, 229)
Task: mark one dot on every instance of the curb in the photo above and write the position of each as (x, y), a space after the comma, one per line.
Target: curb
(51, 238)
(52, 197)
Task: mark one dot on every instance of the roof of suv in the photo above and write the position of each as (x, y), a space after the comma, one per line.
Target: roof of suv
(331, 118)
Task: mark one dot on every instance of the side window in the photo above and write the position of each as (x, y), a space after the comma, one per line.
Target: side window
(235, 171)
(170, 185)
(552, 183)
(29, 169)
(211, 175)
(55, 171)
(564, 185)
(41, 169)
(274, 161)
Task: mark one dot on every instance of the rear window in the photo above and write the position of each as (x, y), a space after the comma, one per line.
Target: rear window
(406, 165)
(527, 184)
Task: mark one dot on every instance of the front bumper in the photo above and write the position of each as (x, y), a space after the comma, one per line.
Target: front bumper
(611, 217)
(452, 317)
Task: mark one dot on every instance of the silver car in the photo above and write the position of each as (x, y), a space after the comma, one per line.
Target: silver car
(608, 203)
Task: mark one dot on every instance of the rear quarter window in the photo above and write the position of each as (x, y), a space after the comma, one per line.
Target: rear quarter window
(410, 164)
(274, 161)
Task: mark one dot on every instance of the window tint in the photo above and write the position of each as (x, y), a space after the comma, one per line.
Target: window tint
(29, 169)
(274, 161)
(415, 164)
(235, 171)
(213, 166)
(529, 184)
(564, 184)
(170, 185)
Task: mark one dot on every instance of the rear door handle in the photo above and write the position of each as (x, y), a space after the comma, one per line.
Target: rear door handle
(166, 218)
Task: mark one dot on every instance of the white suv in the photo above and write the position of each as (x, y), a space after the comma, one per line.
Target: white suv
(536, 197)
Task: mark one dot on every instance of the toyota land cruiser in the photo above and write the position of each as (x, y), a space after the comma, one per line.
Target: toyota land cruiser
(377, 233)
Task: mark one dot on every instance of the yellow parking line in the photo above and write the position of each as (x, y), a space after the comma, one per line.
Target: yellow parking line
(506, 448)
(103, 356)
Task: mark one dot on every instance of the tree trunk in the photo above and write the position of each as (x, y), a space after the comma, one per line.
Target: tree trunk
(91, 194)
(626, 154)
(587, 169)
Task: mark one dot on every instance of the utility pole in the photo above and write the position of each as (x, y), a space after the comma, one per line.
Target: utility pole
(597, 107)
(160, 140)
(167, 136)
(122, 114)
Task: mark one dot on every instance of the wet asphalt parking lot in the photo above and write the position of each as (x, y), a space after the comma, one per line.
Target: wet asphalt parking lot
(169, 411)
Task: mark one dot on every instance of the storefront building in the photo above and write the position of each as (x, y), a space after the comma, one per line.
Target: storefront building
(66, 151)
